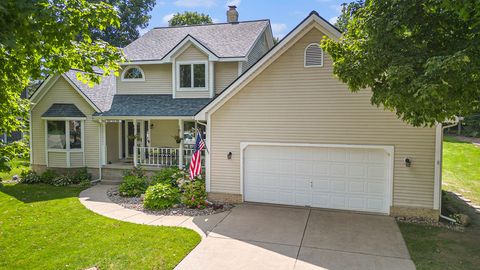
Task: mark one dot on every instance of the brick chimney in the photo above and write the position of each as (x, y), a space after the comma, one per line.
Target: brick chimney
(232, 14)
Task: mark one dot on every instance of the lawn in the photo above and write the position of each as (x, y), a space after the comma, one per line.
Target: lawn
(18, 165)
(45, 227)
(461, 168)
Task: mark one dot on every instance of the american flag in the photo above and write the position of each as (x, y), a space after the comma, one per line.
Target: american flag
(196, 162)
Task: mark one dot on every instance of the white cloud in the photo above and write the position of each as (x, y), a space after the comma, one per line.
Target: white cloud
(167, 18)
(233, 2)
(216, 20)
(195, 3)
(333, 20)
(161, 3)
(143, 31)
(279, 29)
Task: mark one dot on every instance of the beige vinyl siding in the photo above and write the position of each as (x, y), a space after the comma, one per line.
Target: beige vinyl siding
(158, 80)
(192, 53)
(57, 159)
(62, 92)
(162, 132)
(192, 94)
(225, 74)
(288, 103)
(112, 139)
(76, 160)
(259, 49)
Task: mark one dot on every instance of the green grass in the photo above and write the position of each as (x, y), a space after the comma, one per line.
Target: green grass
(461, 168)
(45, 227)
(18, 165)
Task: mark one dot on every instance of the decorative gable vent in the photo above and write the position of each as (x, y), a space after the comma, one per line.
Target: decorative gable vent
(313, 55)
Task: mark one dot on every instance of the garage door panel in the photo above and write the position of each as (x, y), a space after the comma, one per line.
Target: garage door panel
(329, 177)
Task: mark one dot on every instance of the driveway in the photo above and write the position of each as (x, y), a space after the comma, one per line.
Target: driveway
(272, 237)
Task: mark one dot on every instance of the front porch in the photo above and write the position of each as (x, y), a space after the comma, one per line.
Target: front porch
(150, 143)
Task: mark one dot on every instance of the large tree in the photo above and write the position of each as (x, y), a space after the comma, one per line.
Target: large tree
(39, 38)
(133, 16)
(189, 18)
(421, 59)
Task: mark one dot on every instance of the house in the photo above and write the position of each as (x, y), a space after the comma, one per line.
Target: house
(279, 126)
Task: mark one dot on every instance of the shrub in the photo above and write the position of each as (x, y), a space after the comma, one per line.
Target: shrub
(135, 171)
(62, 180)
(81, 175)
(29, 177)
(161, 196)
(166, 176)
(48, 176)
(133, 186)
(194, 194)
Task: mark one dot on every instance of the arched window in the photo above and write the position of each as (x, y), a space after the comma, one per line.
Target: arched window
(133, 74)
(313, 55)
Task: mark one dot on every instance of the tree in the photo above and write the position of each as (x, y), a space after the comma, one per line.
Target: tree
(44, 37)
(421, 59)
(133, 15)
(189, 18)
(347, 13)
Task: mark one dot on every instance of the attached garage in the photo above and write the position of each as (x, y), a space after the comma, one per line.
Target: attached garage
(347, 177)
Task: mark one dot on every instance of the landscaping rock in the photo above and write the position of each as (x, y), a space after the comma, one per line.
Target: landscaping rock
(463, 219)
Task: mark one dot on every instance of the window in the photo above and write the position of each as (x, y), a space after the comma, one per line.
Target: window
(59, 131)
(192, 75)
(313, 55)
(133, 74)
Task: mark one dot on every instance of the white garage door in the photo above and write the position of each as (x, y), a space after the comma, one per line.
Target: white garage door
(328, 177)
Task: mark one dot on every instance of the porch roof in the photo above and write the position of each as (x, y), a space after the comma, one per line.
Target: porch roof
(154, 105)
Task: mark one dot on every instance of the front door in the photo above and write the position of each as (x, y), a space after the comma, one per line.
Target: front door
(129, 140)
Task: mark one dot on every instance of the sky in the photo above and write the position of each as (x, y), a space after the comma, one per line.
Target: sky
(284, 15)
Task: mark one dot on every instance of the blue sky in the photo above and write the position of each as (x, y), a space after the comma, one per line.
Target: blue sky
(283, 14)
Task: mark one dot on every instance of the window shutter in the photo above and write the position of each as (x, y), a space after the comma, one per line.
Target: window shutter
(313, 56)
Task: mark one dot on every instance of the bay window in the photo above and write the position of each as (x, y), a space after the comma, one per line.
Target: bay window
(192, 76)
(64, 134)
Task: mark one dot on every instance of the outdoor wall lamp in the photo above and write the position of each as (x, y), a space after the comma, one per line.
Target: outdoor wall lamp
(408, 162)
(229, 155)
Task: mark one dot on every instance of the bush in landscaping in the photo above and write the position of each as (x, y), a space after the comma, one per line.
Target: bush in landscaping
(29, 177)
(161, 196)
(62, 180)
(133, 186)
(166, 176)
(48, 176)
(194, 194)
(81, 175)
(137, 171)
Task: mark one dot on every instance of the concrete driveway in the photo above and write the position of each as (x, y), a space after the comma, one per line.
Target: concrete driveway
(273, 237)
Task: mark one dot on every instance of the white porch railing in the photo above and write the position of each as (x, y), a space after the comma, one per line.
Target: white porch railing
(164, 156)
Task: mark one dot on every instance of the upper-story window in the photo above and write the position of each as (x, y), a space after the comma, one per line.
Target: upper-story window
(133, 74)
(313, 55)
(192, 76)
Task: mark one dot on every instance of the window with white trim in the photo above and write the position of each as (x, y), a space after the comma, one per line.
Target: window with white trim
(133, 74)
(313, 55)
(192, 76)
(64, 135)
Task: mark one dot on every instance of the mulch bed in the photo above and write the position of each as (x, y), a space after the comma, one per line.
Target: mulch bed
(136, 203)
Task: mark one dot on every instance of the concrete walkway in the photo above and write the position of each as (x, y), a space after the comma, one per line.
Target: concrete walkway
(253, 236)
(96, 199)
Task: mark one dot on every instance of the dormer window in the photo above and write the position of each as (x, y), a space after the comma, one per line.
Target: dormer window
(313, 55)
(192, 75)
(133, 74)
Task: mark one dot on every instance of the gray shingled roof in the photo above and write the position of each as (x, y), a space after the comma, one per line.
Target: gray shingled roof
(63, 110)
(154, 105)
(100, 94)
(223, 39)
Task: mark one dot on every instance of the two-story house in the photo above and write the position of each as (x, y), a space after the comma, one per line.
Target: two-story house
(279, 126)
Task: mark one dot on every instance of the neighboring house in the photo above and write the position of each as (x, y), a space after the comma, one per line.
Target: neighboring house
(286, 131)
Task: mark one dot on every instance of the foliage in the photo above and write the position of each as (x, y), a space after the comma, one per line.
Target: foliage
(421, 59)
(348, 9)
(48, 176)
(41, 220)
(9, 152)
(166, 176)
(133, 186)
(133, 16)
(17, 166)
(189, 18)
(42, 38)
(81, 175)
(29, 177)
(161, 196)
(194, 194)
(137, 171)
(62, 180)
(472, 125)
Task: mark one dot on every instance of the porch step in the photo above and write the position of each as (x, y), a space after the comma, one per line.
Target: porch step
(112, 174)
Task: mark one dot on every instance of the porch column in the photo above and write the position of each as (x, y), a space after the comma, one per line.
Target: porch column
(180, 149)
(135, 142)
(104, 143)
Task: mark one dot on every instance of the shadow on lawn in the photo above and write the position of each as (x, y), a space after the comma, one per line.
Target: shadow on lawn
(38, 192)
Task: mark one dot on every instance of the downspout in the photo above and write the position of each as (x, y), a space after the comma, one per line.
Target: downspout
(440, 151)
